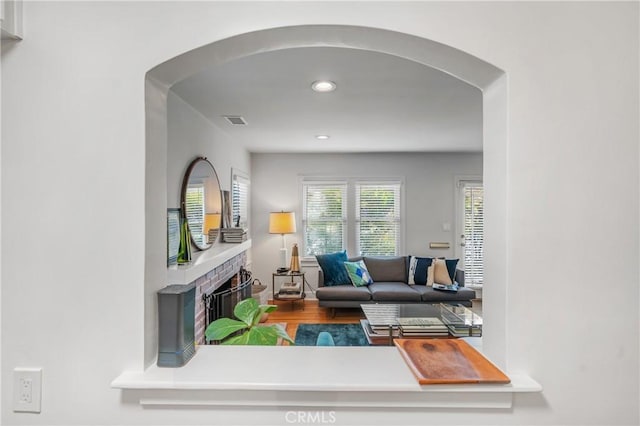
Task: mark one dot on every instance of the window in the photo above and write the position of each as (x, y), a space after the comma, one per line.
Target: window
(378, 218)
(472, 243)
(240, 185)
(361, 216)
(323, 217)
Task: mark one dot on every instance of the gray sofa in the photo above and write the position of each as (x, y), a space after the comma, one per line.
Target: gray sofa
(390, 278)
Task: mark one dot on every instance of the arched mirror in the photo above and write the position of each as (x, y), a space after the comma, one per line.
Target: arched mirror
(201, 202)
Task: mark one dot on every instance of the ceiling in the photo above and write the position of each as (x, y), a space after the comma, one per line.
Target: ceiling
(382, 103)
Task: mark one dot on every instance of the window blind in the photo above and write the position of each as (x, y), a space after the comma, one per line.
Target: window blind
(473, 233)
(240, 200)
(378, 218)
(324, 217)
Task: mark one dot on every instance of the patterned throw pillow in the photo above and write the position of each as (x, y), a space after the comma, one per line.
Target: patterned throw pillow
(418, 267)
(358, 273)
(332, 266)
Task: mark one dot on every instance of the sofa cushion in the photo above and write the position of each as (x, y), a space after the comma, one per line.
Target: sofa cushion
(387, 268)
(418, 267)
(333, 269)
(343, 292)
(358, 273)
(428, 294)
(393, 292)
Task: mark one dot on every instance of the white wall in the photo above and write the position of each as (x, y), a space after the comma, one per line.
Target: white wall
(1, 404)
(191, 135)
(11, 19)
(73, 129)
(429, 195)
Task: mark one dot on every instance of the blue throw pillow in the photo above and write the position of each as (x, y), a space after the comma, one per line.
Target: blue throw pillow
(418, 269)
(332, 266)
(358, 273)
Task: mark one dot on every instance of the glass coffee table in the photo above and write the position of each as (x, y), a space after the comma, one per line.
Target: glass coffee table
(384, 322)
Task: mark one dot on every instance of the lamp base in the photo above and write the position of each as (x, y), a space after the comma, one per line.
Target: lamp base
(283, 258)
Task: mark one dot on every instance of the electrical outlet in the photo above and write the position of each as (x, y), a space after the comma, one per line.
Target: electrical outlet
(27, 389)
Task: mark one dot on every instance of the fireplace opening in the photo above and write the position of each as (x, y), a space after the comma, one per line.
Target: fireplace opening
(221, 302)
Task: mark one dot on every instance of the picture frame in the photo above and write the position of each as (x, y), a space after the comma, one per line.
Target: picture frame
(173, 235)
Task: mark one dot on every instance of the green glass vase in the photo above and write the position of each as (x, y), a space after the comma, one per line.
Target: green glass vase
(184, 251)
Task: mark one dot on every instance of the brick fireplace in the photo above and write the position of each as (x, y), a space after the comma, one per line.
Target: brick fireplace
(209, 283)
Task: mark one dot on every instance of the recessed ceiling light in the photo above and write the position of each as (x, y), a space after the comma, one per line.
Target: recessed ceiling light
(323, 86)
(322, 137)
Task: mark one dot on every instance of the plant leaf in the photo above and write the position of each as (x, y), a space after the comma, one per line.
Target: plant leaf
(269, 308)
(262, 309)
(242, 339)
(246, 310)
(283, 333)
(262, 335)
(221, 328)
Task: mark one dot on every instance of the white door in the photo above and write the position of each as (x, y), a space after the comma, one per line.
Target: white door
(470, 231)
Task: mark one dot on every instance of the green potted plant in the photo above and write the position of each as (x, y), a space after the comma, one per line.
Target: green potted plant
(248, 313)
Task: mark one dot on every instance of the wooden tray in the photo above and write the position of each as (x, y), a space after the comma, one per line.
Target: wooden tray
(448, 361)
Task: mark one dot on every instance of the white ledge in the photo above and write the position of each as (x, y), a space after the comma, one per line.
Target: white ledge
(205, 261)
(307, 376)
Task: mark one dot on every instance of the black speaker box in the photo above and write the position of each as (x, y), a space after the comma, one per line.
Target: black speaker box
(176, 324)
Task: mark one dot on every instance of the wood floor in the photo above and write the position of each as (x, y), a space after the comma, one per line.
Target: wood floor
(293, 315)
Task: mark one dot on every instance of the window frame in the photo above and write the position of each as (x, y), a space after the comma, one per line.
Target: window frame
(345, 213)
(358, 218)
(350, 242)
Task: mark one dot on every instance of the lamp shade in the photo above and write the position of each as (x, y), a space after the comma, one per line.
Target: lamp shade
(282, 223)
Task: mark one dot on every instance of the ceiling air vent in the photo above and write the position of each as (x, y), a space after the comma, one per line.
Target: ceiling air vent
(236, 120)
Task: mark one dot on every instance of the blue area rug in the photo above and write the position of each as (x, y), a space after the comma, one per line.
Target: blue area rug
(343, 334)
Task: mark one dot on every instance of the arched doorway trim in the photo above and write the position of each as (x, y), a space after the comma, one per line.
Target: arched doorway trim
(488, 78)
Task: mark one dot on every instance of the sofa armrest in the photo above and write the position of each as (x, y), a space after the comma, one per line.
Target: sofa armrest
(320, 278)
(459, 277)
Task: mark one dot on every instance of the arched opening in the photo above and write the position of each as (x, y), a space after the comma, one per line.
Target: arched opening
(486, 77)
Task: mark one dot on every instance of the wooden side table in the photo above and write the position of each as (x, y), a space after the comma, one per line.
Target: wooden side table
(289, 277)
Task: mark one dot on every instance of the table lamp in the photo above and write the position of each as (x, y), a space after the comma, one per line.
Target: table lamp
(282, 223)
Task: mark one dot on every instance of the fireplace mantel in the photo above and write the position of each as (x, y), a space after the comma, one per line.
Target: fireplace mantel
(205, 261)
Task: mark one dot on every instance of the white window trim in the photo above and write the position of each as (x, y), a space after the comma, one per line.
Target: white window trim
(400, 236)
(321, 181)
(349, 241)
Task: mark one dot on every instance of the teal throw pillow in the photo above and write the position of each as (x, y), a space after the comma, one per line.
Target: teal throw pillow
(332, 266)
(358, 273)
